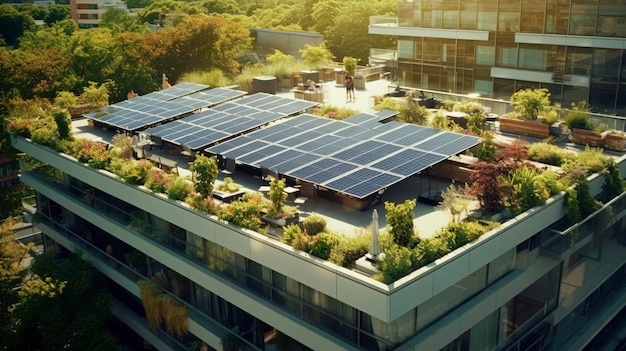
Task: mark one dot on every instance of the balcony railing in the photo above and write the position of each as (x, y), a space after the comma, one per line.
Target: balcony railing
(384, 21)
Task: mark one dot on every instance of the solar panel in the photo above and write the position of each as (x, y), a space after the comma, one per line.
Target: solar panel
(386, 114)
(354, 159)
(175, 102)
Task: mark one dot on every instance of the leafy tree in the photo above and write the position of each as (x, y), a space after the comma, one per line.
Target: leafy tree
(531, 102)
(197, 43)
(95, 95)
(57, 13)
(222, 7)
(37, 12)
(348, 35)
(13, 24)
(487, 187)
(63, 307)
(203, 174)
(12, 272)
(349, 64)
(138, 4)
(277, 195)
(400, 218)
(131, 68)
(118, 20)
(316, 56)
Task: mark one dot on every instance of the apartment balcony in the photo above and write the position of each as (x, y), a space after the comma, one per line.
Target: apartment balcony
(384, 25)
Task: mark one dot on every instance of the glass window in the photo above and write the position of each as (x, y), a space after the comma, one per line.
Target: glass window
(507, 57)
(501, 266)
(487, 20)
(484, 335)
(439, 305)
(508, 22)
(451, 19)
(483, 87)
(468, 14)
(405, 49)
(485, 55)
(532, 58)
(578, 61)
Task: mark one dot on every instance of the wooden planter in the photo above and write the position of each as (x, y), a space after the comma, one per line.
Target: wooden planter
(614, 142)
(524, 127)
(587, 137)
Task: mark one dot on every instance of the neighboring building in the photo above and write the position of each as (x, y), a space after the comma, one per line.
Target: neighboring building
(88, 13)
(495, 48)
(288, 42)
(531, 284)
(9, 170)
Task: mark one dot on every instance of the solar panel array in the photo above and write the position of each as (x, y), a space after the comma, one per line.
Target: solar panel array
(228, 119)
(146, 110)
(352, 159)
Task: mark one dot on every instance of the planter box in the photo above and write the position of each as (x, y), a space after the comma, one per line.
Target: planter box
(525, 127)
(228, 197)
(587, 137)
(614, 142)
(281, 222)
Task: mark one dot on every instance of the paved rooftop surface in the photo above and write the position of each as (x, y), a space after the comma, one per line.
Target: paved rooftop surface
(340, 218)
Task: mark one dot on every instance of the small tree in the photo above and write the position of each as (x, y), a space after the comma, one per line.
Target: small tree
(531, 102)
(63, 121)
(94, 95)
(277, 195)
(400, 218)
(203, 174)
(316, 56)
(65, 99)
(349, 64)
(278, 57)
(455, 202)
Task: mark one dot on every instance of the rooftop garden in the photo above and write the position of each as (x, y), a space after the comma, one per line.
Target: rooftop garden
(506, 181)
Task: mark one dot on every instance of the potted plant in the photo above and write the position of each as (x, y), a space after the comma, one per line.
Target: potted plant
(228, 190)
(529, 104)
(578, 120)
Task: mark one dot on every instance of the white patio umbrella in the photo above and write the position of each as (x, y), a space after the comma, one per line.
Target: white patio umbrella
(374, 251)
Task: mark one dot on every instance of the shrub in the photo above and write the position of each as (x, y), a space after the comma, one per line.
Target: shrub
(579, 116)
(530, 103)
(440, 121)
(290, 232)
(229, 186)
(157, 180)
(349, 249)
(430, 249)
(323, 244)
(314, 224)
(204, 204)
(549, 154)
(592, 159)
(245, 212)
(400, 219)
(277, 195)
(203, 174)
(133, 172)
(178, 189)
(397, 263)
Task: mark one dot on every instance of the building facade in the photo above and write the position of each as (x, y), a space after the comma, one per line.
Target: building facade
(574, 48)
(531, 284)
(88, 13)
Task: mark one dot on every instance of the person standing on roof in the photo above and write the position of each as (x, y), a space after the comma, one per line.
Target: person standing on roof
(349, 89)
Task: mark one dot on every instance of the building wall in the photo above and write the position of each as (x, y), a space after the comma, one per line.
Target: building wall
(516, 284)
(88, 13)
(496, 47)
